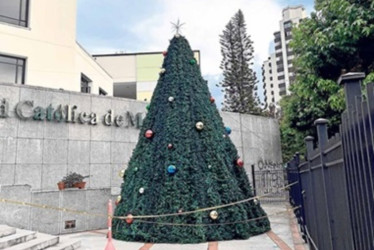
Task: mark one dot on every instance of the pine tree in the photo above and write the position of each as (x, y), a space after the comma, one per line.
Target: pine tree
(239, 80)
(184, 160)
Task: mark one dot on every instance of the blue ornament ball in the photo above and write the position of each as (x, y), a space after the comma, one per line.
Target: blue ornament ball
(228, 130)
(172, 169)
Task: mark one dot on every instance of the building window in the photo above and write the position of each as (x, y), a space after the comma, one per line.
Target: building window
(85, 84)
(271, 85)
(272, 92)
(287, 24)
(102, 92)
(270, 71)
(281, 77)
(277, 37)
(282, 93)
(271, 78)
(272, 99)
(12, 69)
(14, 12)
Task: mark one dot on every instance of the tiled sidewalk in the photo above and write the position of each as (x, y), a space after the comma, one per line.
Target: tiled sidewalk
(284, 235)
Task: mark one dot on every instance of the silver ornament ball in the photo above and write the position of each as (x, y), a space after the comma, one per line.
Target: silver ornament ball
(199, 126)
(213, 215)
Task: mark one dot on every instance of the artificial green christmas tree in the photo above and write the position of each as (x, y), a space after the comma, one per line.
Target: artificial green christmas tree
(185, 161)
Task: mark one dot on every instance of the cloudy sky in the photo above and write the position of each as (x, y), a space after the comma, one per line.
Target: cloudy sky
(144, 25)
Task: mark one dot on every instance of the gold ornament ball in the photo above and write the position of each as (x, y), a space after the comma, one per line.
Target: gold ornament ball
(162, 71)
(199, 126)
(141, 190)
(121, 173)
(213, 215)
(119, 198)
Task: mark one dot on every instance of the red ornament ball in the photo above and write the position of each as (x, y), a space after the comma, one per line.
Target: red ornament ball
(164, 53)
(239, 162)
(148, 134)
(212, 100)
(170, 146)
(129, 219)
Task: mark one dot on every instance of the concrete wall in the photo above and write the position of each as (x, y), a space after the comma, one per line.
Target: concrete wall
(48, 45)
(40, 153)
(52, 221)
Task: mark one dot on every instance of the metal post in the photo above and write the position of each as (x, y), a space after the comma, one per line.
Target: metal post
(254, 180)
(352, 88)
(322, 142)
(109, 245)
(309, 198)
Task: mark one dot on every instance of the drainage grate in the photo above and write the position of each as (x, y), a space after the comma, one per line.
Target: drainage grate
(69, 224)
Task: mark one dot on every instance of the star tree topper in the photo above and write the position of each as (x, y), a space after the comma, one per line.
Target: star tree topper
(177, 27)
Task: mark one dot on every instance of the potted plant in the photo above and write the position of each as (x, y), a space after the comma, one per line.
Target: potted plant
(73, 179)
(61, 185)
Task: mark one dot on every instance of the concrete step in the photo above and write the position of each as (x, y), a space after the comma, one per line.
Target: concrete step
(42, 241)
(20, 236)
(6, 230)
(66, 244)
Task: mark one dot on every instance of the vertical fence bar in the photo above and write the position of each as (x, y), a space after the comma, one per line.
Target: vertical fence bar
(352, 88)
(254, 180)
(365, 173)
(348, 169)
(369, 126)
(301, 212)
(310, 198)
(327, 213)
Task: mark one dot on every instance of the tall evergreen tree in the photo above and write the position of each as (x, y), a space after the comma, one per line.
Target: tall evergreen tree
(185, 161)
(239, 79)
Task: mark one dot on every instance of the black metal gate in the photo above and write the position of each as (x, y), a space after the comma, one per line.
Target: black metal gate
(268, 181)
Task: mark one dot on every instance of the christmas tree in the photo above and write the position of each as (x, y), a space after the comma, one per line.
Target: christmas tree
(185, 161)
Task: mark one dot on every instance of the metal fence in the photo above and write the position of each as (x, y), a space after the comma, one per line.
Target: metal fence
(268, 180)
(334, 185)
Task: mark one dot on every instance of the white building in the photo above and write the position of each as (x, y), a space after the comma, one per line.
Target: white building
(278, 72)
(135, 75)
(39, 47)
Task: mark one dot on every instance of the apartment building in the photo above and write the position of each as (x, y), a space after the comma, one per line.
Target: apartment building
(278, 72)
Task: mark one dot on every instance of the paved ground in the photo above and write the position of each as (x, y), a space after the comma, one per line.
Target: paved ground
(284, 235)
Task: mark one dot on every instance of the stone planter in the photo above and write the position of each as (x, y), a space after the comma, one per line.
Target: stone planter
(80, 185)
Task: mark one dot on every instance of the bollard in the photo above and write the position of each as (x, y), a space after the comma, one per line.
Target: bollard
(109, 245)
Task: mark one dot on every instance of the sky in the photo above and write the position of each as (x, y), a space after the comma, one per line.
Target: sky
(145, 25)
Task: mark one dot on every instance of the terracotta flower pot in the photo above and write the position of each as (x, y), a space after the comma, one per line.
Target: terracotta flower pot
(80, 185)
(61, 185)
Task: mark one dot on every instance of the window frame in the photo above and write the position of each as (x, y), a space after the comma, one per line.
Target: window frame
(19, 20)
(17, 65)
(85, 79)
